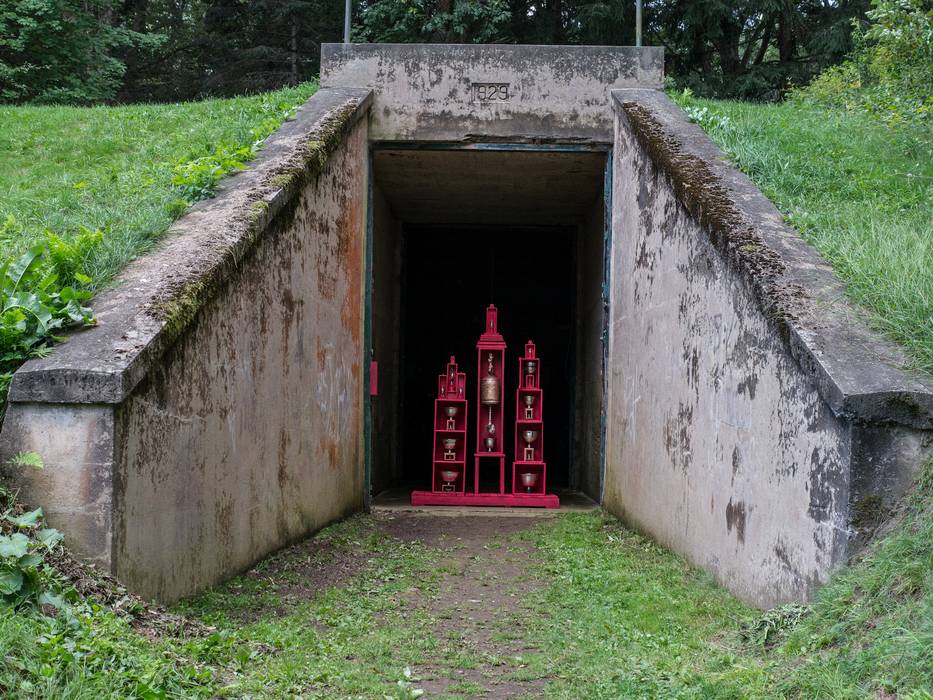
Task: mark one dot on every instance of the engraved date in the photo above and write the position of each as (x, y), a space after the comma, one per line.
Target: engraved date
(491, 92)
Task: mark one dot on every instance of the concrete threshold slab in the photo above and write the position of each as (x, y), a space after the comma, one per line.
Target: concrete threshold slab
(398, 500)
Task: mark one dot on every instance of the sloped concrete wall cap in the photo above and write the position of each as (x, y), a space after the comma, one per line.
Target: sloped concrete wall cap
(158, 294)
(471, 92)
(859, 373)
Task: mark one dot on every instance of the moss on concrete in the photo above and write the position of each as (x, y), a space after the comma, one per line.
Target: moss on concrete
(179, 306)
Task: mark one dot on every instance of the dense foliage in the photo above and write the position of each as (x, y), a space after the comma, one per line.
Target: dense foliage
(41, 293)
(890, 72)
(63, 50)
(138, 50)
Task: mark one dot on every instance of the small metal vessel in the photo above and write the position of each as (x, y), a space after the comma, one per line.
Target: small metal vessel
(529, 480)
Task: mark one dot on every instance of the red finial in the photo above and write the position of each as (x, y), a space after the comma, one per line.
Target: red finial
(491, 321)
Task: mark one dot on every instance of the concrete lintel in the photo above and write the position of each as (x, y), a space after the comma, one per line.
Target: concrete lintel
(859, 373)
(475, 92)
(156, 297)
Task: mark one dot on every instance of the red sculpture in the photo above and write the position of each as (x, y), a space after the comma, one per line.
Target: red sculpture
(448, 465)
(529, 471)
(490, 359)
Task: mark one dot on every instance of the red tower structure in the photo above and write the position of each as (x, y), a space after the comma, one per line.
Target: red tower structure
(490, 441)
(448, 466)
(448, 473)
(529, 470)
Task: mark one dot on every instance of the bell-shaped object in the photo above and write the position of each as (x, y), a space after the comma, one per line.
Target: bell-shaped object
(489, 386)
(489, 391)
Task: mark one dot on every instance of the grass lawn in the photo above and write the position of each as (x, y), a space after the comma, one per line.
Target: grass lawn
(111, 168)
(458, 607)
(859, 191)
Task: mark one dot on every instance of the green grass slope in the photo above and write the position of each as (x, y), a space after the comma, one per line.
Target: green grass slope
(609, 615)
(870, 632)
(85, 190)
(860, 191)
(125, 171)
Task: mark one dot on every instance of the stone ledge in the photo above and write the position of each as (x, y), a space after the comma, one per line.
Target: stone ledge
(860, 374)
(159, 294)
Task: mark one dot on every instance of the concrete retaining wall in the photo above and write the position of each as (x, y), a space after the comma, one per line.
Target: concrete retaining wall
(754, 423)
(443, 92)
(216, 412)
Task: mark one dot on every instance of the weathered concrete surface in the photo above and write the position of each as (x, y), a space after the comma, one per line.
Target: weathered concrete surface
(220, 398)
(76, 443)
(387, 409)
(442, 92)
(590, 375)
(479, 186)
(754, 423)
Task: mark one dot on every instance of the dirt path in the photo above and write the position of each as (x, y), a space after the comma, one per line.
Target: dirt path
(484, 573)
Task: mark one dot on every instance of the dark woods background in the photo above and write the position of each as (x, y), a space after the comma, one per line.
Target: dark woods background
(84, 51)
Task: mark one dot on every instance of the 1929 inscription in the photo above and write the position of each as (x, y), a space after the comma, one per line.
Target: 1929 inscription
(490, 92)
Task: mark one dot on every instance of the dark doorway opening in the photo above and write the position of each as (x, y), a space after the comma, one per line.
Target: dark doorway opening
(530, 275)
(455, 228)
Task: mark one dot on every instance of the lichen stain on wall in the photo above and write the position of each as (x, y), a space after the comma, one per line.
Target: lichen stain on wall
(716, 444)
(248, 434)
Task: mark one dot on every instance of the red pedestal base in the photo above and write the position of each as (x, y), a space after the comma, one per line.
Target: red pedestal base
(526, 500)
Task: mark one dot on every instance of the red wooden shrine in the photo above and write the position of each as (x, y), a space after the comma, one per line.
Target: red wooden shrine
(448, 473)
(529, 470)
(490, 379)
(448, 467)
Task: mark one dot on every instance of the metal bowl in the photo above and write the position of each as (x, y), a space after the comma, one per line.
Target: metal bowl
(450, 443)
(529, 479)
(451, 411)
(449, 475)
(529, 436)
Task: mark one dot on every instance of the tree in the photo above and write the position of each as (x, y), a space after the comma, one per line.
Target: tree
(62, 50)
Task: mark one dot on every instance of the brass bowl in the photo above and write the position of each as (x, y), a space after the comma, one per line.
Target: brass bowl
(529, 479)
(449, 475)
(529, 436)
(450, 443)
(451, 411)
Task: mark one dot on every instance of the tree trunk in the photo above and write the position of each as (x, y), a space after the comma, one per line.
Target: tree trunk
(727, 46)
(752, 40)
(557, 25)
(785, 35)
(293, 50)
(765, 41)
(441, 35)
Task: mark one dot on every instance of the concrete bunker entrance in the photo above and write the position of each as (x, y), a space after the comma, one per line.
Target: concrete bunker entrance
(456, 227)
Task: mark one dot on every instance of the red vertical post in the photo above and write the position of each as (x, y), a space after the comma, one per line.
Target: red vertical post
(490, 382)
(529, 471)
(448, 459)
